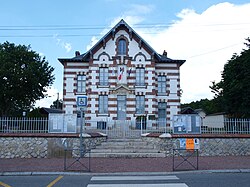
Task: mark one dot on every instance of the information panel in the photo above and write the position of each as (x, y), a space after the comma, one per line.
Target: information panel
(187, 124)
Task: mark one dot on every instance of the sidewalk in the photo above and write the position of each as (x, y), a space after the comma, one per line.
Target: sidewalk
(113, 165)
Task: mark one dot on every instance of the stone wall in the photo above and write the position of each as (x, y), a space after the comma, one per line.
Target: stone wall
(222, 146)
(23, 147)
(43, 147)
(50, 146)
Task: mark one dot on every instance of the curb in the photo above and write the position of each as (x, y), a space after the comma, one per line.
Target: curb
(124, 173)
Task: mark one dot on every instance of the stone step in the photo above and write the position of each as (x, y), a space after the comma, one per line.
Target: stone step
(126, 155)
(110, 146)
(138, 144)
(125, 140)
(124, 150)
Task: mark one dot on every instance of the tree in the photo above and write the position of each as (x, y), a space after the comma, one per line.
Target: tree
(35, 112)
(24, 77)
(57, 104)
(233, 91)
(209, 106)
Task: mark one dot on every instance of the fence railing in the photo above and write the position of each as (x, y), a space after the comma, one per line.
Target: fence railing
(126, 128)
(23, 125)
(229, 126)
(121, 128)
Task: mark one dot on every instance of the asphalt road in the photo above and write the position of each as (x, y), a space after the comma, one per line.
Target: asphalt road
(171, 180)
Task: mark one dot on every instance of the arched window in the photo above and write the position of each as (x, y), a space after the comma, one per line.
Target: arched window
(122, 47)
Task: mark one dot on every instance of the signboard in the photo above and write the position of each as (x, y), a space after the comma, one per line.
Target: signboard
(182, 143)
(187, 124)
(81, 101)
(189, 143)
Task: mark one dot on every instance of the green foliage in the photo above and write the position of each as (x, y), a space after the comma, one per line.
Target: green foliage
(233, 91)
(24, 77)
(57, 104)
(35, 113)
(208, 106)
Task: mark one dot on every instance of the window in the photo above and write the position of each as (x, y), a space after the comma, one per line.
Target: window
(81, 83)
(122, 48)
(162, 84)
(140, 104)
(140, 77)
(104, 76)
(103, 104)
(162, 115)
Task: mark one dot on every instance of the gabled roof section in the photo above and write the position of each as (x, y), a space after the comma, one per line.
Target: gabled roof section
(132, 34)
(122, 87)
(44, 110)
(188, 110)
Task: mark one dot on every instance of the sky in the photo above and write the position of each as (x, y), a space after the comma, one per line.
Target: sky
(204, 33)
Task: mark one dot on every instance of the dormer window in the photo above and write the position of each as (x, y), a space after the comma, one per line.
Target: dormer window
(122, 47)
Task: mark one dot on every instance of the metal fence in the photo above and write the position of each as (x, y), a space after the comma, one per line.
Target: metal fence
(23, 125)
(126, 128)
(129, 128)
(230, 126)
(121, 128)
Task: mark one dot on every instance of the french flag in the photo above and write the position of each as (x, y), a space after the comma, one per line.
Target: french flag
(120, 75)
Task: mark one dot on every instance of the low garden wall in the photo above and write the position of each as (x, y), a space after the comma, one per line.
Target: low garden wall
(209, 145)
(43, 145)
(53, 145)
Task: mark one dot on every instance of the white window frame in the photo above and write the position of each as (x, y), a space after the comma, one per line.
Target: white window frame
(162, 82)
(103, 104)
(81, 84)
(140, 77)
(140, 104)
(104, 76)
(122, 47)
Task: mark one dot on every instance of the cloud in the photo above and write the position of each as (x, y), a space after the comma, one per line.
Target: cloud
(138, 9)
(132, 16)
(52, 96)
(207, 41)
(65, 45)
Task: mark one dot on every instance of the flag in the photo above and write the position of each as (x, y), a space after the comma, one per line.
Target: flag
(121, 72)
(129, 72)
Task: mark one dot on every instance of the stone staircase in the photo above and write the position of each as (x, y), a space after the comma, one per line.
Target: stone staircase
(126, 148)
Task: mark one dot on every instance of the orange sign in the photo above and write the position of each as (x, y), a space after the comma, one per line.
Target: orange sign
(190, 143)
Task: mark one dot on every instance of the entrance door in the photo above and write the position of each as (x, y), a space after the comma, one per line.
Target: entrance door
(121, 107)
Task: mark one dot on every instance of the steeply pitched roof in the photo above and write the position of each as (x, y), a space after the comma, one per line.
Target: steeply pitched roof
(86, 56)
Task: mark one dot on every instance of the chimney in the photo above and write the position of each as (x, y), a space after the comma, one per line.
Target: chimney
(77, 53)
(165, 53)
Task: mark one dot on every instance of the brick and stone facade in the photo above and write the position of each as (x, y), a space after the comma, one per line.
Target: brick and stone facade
(109, 70)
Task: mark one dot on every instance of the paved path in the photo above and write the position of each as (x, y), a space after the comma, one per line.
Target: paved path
(111, 165)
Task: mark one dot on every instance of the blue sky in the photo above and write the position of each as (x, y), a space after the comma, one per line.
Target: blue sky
(205, 33)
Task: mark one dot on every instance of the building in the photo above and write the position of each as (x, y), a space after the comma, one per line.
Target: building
(216, 120)
(123, 78)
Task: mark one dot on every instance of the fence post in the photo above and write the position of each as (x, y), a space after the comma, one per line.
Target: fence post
(106, 130)
(141, 125)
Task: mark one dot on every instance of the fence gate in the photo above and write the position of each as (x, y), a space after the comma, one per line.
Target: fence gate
(123, 129)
